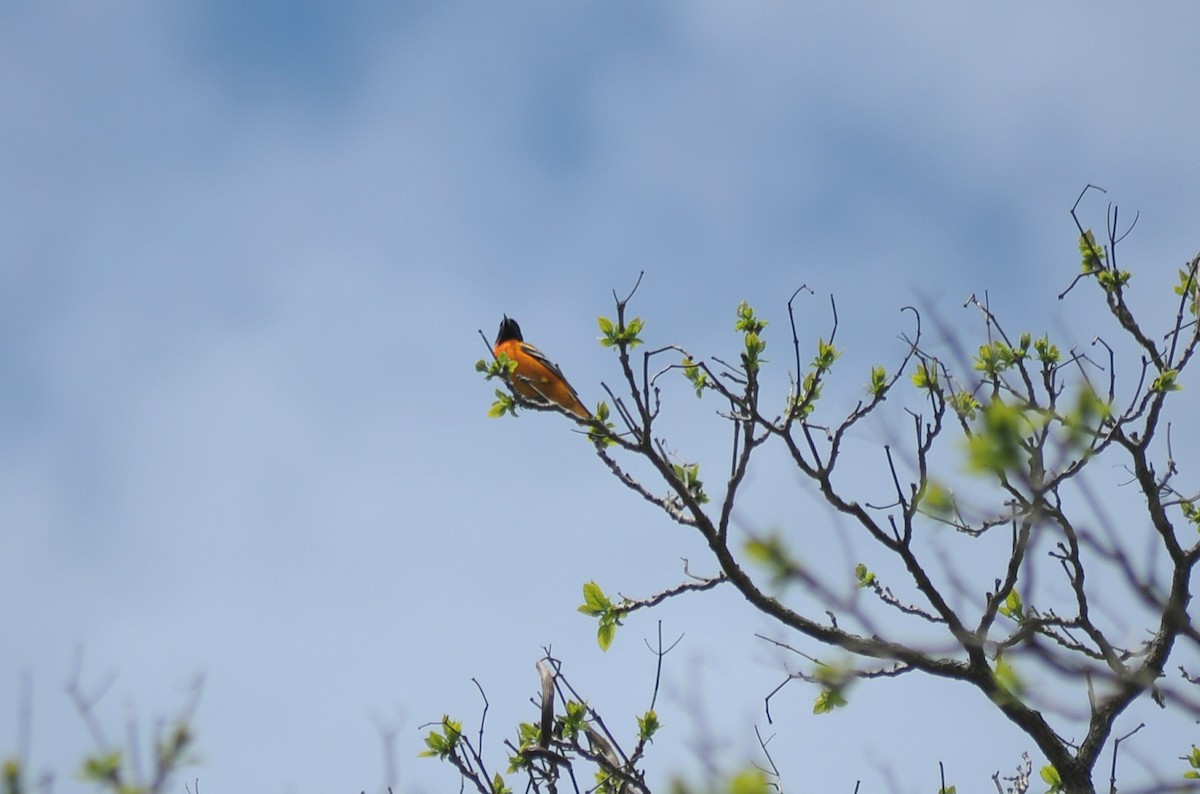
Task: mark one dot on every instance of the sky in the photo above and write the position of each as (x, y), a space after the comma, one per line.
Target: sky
(247, 252)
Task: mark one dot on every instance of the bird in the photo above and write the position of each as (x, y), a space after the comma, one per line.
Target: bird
(536, 377)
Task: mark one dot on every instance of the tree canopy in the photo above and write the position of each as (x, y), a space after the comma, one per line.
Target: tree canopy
(1003, 444)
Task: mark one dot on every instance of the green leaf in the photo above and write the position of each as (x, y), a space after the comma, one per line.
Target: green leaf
(605, 634)
(688, 475)
(878, 381)
(1013, 606)
(442, 745)
(697, 376)
(1091, 255)
(925, 376)
(994, 358)
(1188, 286)
(605, 784)
(528, 736)
(752, 327)
(598, 605)
(1011, 686)
(747, 322)
(12, 776)
(453, 730)
(1083, 422)
(648, 725)
(770, 553)
(865, 577)
(102, 768)
(602, 437)
(749, 781)
(828, 700)
(948, 790)
(826, 355)
(573, 719)
(171, 749)
(613, 335)
(1113, 279)
(1050, 777)
(528, 733)
(1166, 381)
(935, 500)
(500, 367)
(595, 602)
(504, 404)
(436, 744)
(752, 358)
(998, 446)
(964, 405)
(633, 329)
(806, 401)
(1047, 353)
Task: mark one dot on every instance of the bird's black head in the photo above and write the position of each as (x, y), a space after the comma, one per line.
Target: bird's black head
(509, 330)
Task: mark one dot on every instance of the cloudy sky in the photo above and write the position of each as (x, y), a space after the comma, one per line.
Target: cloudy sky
(246, 251)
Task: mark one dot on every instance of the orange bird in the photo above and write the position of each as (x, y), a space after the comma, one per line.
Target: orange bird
(536, 378)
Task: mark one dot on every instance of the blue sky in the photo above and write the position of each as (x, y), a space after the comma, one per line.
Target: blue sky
(247, 249)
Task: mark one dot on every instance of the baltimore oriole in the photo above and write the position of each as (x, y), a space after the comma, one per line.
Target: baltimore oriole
(536, 378)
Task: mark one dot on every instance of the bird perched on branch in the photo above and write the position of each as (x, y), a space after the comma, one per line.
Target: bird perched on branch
(536, 377)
